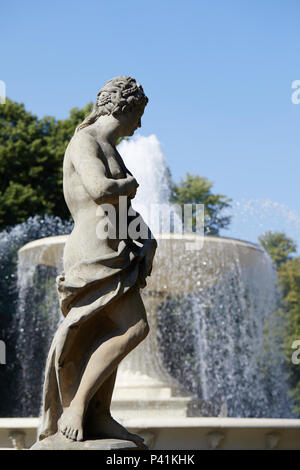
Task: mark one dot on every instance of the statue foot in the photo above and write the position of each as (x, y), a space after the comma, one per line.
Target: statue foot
(70, 424)
(107, 427)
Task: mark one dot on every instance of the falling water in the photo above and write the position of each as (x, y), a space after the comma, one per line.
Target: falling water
(38, 315)
(252, 217)
(222, 335)
(144, 158)
(29, 314)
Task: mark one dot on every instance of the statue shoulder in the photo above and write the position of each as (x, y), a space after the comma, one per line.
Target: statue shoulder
(83, 141)
(84, 145)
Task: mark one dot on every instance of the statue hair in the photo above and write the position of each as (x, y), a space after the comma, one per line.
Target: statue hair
(117, 96)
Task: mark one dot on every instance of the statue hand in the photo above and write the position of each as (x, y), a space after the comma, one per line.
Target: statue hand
(146, 258)
(133, 185)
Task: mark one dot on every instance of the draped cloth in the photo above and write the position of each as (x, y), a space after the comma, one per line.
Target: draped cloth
(84, 292)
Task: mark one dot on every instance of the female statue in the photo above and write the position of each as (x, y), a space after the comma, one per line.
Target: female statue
(99, 290)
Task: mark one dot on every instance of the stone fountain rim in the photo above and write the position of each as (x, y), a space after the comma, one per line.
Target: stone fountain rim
(61, 239)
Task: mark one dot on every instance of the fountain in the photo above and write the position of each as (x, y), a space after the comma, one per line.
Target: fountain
(211, 351)
(227, 292)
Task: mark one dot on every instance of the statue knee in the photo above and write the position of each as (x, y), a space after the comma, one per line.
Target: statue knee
(138, 333)
(144, 330)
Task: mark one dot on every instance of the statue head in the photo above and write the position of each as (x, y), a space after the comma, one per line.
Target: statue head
(118, 96)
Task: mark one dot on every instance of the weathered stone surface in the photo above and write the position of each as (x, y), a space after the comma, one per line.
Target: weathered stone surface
(104, 269)
(59, 442)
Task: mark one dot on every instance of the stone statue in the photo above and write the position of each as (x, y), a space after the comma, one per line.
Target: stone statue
(104, 270)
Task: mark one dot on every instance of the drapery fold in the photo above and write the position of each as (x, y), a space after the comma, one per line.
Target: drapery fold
(84, 292)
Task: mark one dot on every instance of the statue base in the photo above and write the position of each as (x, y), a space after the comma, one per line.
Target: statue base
(60, 442)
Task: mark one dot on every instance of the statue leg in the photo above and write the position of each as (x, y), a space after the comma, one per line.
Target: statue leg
(131, 327)
(101, 401)
(98, 421)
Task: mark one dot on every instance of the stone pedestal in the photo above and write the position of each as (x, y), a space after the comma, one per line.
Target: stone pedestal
(60, 442)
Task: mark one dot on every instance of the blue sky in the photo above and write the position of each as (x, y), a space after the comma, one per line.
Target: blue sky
(218, 75)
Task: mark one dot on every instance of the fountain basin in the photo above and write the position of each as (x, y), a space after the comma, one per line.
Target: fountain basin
(177, 253)
(185, 265)
(181, 433)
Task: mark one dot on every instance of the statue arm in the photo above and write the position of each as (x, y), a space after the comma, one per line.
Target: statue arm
(91, 170)
(148, 249)
(146, 256)
(149, 239)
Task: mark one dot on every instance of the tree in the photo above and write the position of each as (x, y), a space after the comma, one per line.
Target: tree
(31, 157)
(278, 245)
(289, 279)
(280, 248)
(197, 190)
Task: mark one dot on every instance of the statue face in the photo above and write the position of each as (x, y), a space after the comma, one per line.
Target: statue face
(131, 121)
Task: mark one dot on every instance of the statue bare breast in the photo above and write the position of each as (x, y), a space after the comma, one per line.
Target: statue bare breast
(94, 175)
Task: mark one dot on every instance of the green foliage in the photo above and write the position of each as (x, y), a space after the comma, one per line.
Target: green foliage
(31, 157)
(278, 245)
(289, 279)
(197, 190)
(280, 248)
